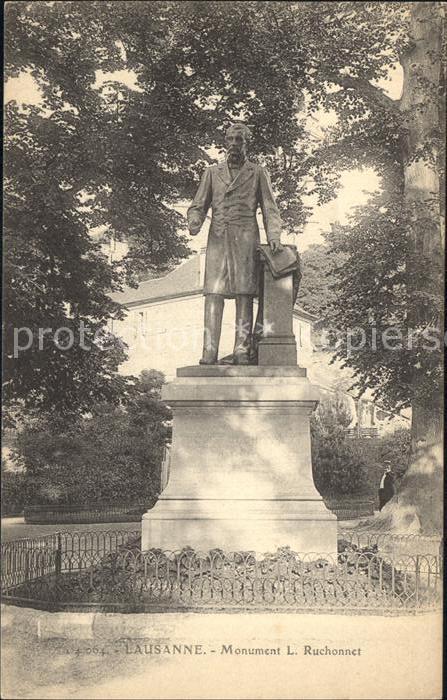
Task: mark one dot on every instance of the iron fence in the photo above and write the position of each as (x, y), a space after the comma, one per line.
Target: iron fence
(391, 543)
(350, 508)
(362, 432)
(108, 571)
(31, 558)
(85, 514)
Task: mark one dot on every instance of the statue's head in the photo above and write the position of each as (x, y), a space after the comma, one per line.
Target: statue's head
(236, 141)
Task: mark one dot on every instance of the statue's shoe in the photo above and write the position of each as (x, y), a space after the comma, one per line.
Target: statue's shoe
(253, 356)
(227, 360)
(241, 358)
(208, 361)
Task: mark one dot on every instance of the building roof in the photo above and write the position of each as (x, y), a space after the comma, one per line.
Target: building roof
(183, 281)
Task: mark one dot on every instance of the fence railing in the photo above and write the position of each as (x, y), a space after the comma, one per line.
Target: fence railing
(350, 508)
(81, 513)
(363, 432)
(108, 571)
(30, 558)
(392, 543)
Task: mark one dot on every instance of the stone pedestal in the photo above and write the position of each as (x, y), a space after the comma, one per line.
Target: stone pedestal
(241, 475)
(278, 344)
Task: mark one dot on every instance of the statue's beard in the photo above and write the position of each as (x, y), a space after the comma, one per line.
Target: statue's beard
(236, 158)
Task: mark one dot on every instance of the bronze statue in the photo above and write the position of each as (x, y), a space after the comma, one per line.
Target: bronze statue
(234, 189)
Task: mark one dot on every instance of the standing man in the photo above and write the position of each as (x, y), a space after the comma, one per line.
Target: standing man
(386, 488)
(234, 189)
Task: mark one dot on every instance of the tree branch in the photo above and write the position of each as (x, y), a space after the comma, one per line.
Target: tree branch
(366, 89)
(203, 155)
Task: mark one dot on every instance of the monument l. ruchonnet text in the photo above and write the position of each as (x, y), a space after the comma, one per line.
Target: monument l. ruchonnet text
(240, 467)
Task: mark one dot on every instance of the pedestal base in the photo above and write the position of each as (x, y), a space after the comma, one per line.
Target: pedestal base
(241, 473)
(240, 525)
(271, 349)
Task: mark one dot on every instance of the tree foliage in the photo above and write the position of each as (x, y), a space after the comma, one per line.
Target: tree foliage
(399, 361)
(345, 466)
(72, 164)
(13, 494)
(316, 293)
(112, 456)
(339, 468)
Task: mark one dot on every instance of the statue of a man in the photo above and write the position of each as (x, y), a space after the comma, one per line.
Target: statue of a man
(234, 189)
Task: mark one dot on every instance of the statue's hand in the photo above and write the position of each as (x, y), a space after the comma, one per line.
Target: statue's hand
(194, 225)
(194, 228)
(275, 246)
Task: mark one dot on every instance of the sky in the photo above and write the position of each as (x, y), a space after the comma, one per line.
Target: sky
(356, 186)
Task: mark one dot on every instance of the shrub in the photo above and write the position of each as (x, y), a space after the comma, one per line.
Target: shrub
(13, 495)
(352, 466)
(113, 455)
(393, 447)
(339, 469)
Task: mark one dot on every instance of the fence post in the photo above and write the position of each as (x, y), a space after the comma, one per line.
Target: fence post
(27, 557)
(417, 579)
(59, 555)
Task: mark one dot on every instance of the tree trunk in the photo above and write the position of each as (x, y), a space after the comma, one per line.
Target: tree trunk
(417, 506)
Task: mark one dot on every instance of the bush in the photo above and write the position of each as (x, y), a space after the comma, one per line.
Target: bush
(13, 493)
(393, 447)
(339, 469)
(352, 466)
(114, 455)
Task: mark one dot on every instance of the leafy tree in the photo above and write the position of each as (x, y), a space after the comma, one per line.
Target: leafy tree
(332, 413)
(391, 280)
(114, 455)
(56, 281)
(73, 163)
(316, 293)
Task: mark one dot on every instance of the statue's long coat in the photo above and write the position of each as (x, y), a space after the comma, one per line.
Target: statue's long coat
(231, 256)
